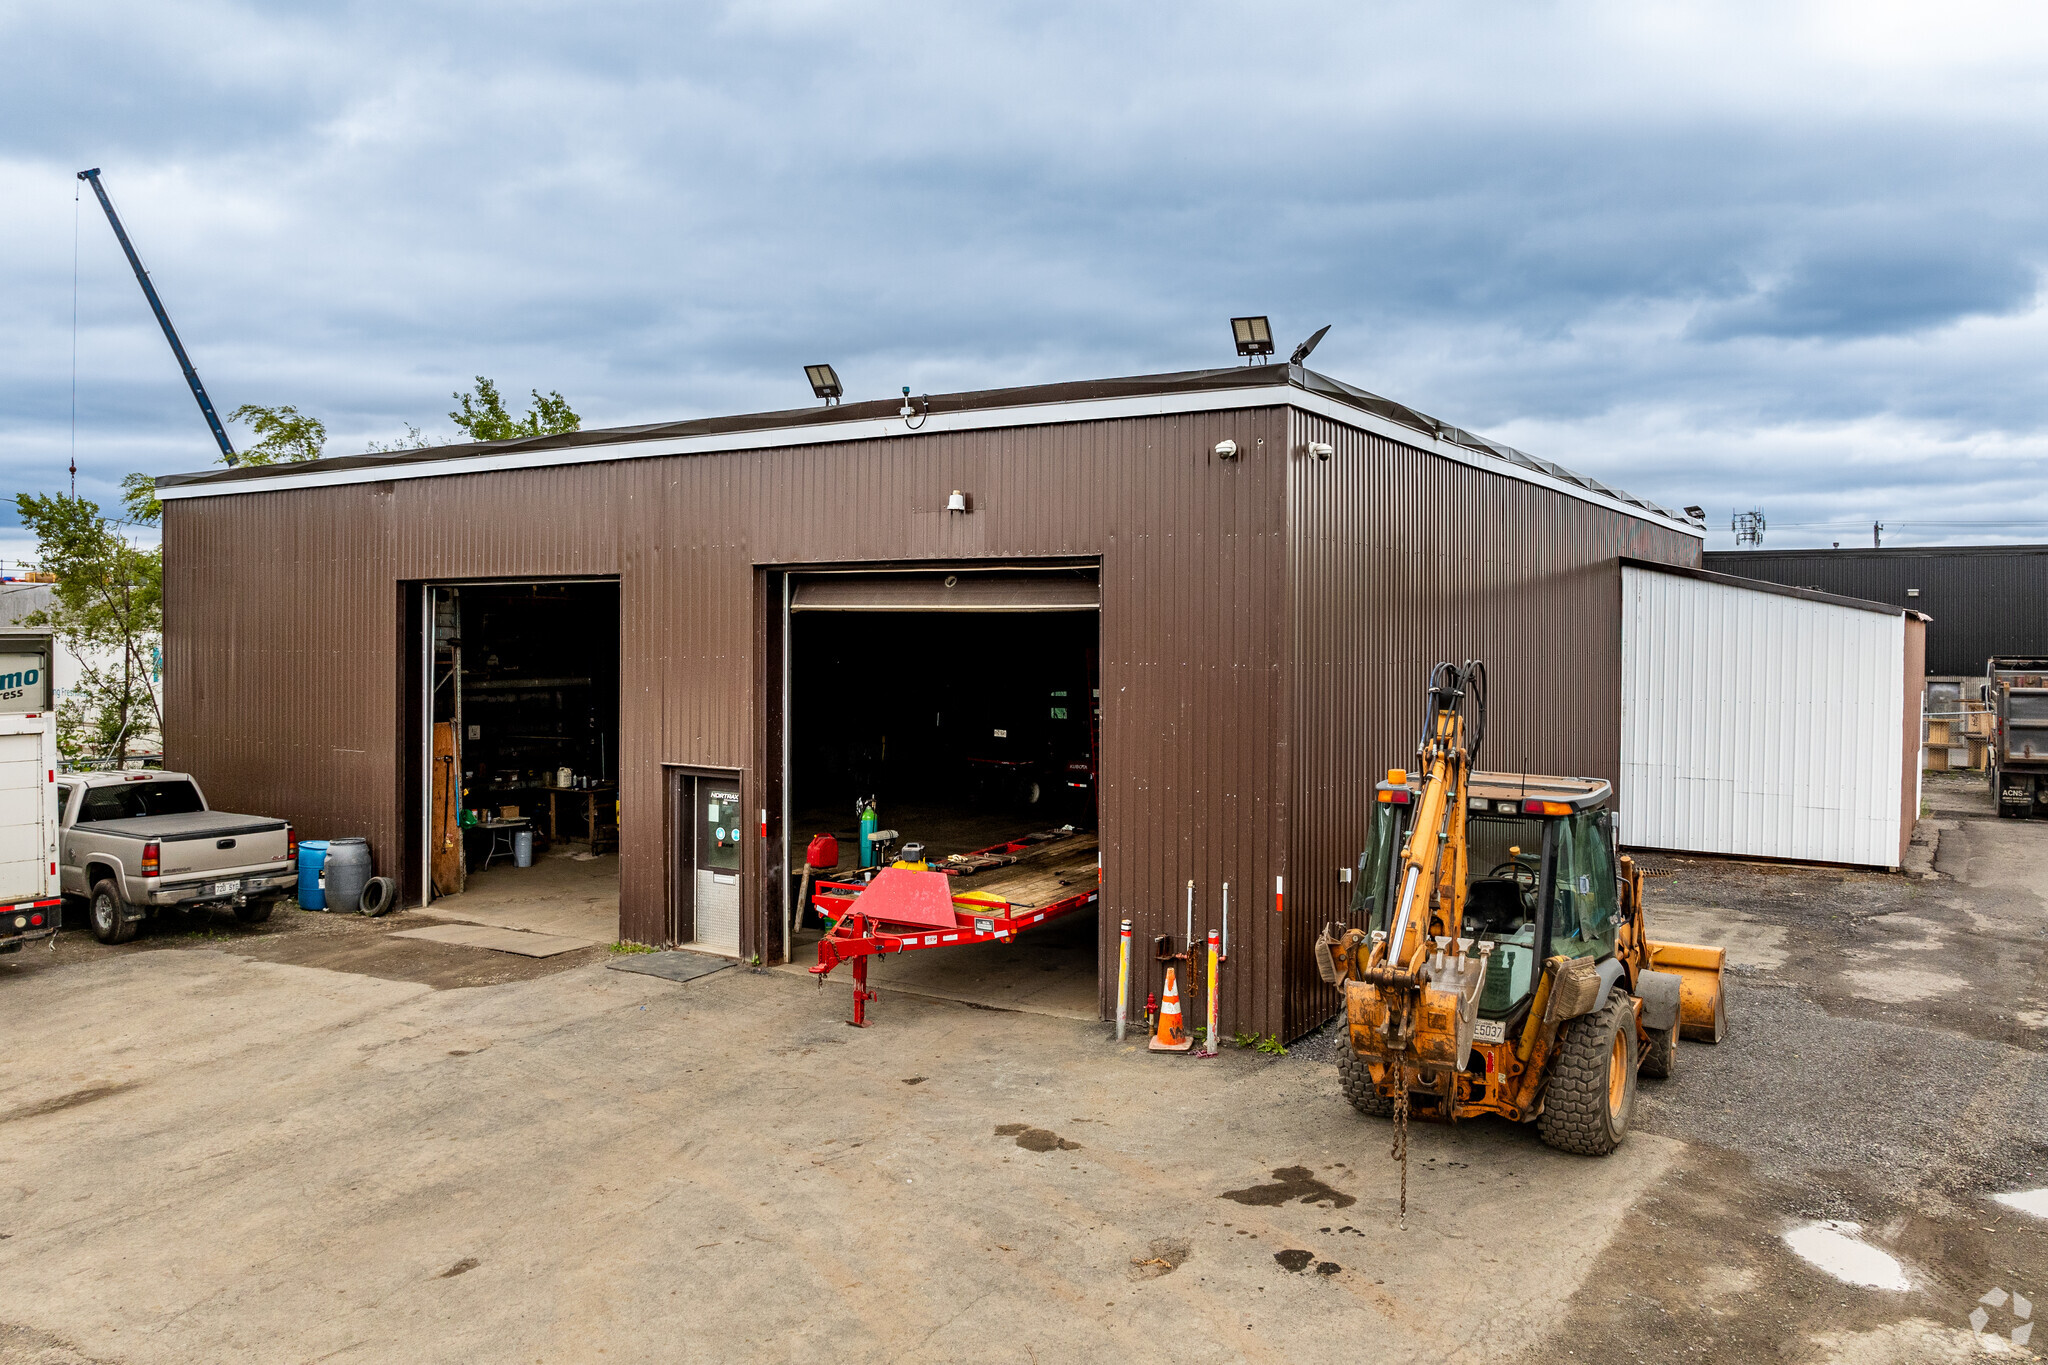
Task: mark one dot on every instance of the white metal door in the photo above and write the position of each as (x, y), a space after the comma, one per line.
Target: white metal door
(28, 813)
(716, 822)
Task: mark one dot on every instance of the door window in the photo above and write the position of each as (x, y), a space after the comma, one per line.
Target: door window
(1374, 888)
(1583, 901)
(718, 833)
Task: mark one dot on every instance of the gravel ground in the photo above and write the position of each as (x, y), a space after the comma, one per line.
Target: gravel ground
(1886, 1065)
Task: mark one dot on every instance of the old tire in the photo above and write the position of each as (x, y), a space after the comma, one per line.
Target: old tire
(379, 895)
(1354, 1074)
(1592, 1092)
(1662, 1053)
(108, 913)
(255, 912)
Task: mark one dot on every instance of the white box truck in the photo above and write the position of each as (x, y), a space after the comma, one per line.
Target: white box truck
(31, 907)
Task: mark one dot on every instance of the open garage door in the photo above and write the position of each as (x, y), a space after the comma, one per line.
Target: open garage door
(1062, 590)
(961, 708)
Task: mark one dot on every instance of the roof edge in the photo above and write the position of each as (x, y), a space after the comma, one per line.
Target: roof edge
(1129, 396)
(1729, 580)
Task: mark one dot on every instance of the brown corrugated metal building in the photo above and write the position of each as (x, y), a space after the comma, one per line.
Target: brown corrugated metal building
(1266, 620)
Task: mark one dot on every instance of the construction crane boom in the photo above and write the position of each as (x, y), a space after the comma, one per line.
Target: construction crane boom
(156, 305)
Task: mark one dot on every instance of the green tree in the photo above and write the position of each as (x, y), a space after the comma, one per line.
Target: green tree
(107, 609)
(484, 417)
(284, 435)
(138, 495)
(412, 440)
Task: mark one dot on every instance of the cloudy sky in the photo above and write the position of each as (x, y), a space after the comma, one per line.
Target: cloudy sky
(1743, 255)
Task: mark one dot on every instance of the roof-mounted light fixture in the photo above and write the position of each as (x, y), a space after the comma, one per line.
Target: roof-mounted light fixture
(1696, 513)
(825, 383)
(1254, 337)
(1301, 352)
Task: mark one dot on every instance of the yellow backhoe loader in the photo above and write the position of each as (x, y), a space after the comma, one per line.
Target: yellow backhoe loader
(1499, 962)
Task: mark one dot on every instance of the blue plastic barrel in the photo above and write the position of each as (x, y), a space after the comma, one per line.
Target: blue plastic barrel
(312, 857)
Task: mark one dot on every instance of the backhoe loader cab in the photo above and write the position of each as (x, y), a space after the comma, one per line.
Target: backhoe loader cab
(1542, 878)
(1535, 992)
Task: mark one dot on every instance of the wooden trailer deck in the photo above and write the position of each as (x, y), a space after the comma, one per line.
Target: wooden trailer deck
(990, 895)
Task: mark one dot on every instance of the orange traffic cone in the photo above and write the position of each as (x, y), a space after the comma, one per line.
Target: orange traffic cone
(1173, 1035)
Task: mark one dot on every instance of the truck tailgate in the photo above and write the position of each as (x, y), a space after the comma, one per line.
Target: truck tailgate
(205, 841)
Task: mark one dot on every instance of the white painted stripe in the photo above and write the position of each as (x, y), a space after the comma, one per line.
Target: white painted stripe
(892, 428)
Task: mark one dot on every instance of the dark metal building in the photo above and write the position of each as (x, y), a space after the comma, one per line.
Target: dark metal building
(1267, 617)
(1985, 599)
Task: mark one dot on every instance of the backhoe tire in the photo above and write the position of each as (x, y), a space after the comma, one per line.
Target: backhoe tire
(108, 913)
(1354, 1073)
(1592, 1092)
(1662, 1053)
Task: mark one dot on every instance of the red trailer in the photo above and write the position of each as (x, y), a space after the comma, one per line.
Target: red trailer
(990, 895)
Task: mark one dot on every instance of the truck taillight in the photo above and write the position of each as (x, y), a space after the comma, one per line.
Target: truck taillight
(291, 842)
(1532, 806)
(152, 859)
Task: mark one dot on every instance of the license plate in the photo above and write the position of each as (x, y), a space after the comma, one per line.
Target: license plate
(226, 888)
(1490, 1031)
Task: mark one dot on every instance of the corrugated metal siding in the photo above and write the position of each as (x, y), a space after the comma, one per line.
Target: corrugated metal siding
(1398, 559)
(284, 613)
(1759, 725)
(1985, 600)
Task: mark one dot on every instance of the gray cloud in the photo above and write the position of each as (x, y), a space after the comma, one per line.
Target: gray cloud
(1733, 255)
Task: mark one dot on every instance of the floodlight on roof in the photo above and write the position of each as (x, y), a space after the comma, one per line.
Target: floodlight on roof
(825, 382)
(1696, 513)
(1254, 336)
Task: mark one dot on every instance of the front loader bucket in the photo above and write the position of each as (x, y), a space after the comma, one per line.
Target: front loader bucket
(1702, 1014)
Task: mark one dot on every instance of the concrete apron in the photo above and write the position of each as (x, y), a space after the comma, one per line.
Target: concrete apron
(558, 895)
(211, 1158)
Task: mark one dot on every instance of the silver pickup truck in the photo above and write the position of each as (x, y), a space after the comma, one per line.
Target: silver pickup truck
(131, 844)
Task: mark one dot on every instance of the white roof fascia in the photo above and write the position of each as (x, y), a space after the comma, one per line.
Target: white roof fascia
(893, 428)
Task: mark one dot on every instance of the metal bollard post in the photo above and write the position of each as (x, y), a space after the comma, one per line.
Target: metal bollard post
(1209, 1048)
(1123, 981)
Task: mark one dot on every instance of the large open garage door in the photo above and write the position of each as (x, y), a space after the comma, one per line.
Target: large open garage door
(950, 714)
(518, 794)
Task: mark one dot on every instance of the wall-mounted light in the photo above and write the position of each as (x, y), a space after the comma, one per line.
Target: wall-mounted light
(1254, 336)
(825, 383)
(957, 503)
(1322, 450)
(1226, 450)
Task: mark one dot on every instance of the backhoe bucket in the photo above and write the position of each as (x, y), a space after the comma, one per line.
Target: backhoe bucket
(1702, 1014)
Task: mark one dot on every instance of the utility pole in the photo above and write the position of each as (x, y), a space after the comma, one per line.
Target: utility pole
(1877, 535)
(220, 434)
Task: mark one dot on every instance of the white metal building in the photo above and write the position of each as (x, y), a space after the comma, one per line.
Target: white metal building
(1764, 721)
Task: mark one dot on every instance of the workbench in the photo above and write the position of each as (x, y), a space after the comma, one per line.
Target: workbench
(591, 807)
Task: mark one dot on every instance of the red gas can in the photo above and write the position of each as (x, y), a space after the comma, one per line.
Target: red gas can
(823, 853)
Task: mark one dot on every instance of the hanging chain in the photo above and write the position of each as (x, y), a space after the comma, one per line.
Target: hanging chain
(1400, 1152)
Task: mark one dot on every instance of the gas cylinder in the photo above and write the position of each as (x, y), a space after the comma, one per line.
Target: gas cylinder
(869, 823)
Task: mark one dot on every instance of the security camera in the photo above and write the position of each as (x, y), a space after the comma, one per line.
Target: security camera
(1322, 450)
(1226, 450)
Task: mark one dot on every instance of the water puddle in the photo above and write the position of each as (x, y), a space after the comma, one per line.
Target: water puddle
(1837, 1248)
(2034, 1202)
